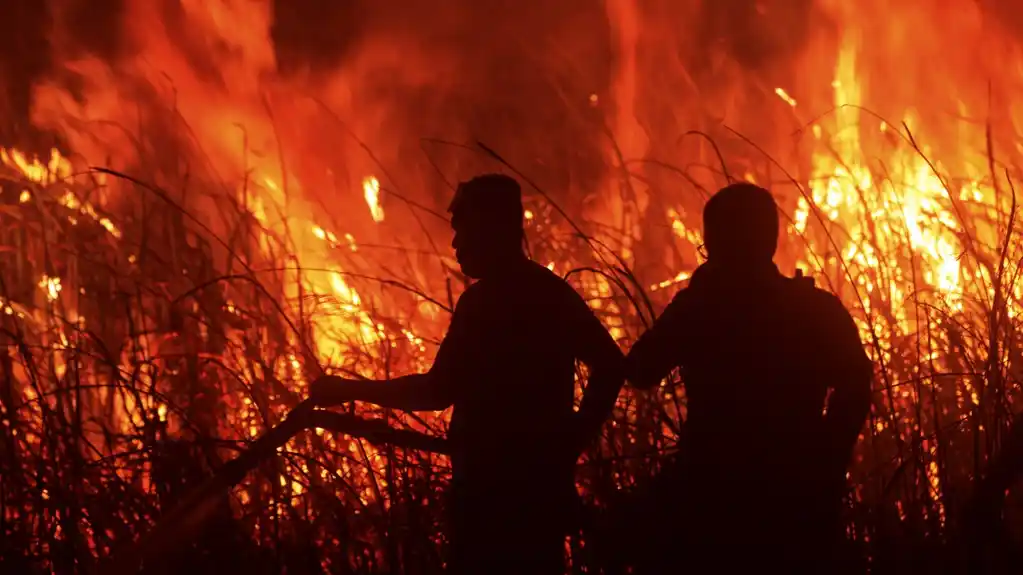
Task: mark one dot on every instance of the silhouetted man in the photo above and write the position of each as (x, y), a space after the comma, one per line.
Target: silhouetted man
(507, 365)
(777, 390)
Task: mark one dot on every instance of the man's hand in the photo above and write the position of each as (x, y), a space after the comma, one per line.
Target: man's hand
(331, 390)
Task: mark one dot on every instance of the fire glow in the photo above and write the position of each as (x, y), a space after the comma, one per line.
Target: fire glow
(908, 214)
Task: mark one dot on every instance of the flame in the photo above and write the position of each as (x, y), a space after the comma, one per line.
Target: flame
(785, 96)
(900, 215)
(51, 286)
(57, 168)
(371, 189)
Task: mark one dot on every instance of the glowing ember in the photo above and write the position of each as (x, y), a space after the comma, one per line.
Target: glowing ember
(51, 286)
(785, 96)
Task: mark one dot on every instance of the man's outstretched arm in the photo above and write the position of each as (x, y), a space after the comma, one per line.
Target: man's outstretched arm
(656, 352)
(431, 391)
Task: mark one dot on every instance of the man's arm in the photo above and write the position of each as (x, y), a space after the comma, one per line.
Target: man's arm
(595, 347)
(656, 352)
(431, 391)
(851, 374)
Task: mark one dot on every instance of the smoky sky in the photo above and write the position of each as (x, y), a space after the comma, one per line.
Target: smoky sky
(503, 48)
(318, 34)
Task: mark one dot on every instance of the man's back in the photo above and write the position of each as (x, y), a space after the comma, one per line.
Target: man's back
(777, 390)
(759, 465)
(757, 360)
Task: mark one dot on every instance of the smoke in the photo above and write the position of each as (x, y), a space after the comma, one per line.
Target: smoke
(536, 81)
(755, 33)
(499, 68)
(458, 70)
(24, 56)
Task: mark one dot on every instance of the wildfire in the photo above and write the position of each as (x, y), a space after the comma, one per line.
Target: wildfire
(785, 96)
(902, 217)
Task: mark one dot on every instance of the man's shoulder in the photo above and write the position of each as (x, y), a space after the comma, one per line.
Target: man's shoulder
(539, 272)
(473, 298)
(815, 298)
(549, 294)
(534, 281)
(823, 307)
(546, 282)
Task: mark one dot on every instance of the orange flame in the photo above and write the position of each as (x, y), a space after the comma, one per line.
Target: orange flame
(901, 217)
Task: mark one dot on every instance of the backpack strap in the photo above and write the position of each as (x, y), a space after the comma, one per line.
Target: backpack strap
(803, 281)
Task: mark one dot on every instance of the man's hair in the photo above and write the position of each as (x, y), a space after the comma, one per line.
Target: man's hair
(741, 220)
(494, 199)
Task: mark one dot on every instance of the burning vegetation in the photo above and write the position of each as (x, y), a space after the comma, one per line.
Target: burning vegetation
(208, 233)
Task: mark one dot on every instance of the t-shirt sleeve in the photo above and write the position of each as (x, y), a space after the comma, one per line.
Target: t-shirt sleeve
(590, 341)
(659, 349)
(455, 357)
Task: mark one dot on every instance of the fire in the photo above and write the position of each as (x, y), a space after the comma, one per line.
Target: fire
(249, 252)
(371, 189)
(785, 96)
(56, 169)
(51, 286)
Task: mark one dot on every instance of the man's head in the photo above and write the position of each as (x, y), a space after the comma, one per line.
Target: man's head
(486, 215)
(740, 225)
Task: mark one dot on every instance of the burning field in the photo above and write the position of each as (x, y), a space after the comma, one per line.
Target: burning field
(207, 204)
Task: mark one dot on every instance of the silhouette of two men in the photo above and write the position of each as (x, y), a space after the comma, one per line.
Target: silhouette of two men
(765, 448)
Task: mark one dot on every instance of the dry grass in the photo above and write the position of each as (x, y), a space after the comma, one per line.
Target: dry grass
(168, 347)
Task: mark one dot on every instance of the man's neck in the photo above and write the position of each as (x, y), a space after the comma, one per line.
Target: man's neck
(508, 265)
(746, 270)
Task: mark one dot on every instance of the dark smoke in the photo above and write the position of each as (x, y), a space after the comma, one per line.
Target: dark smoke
(524, 70)
(24, 55)
(756, 33)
